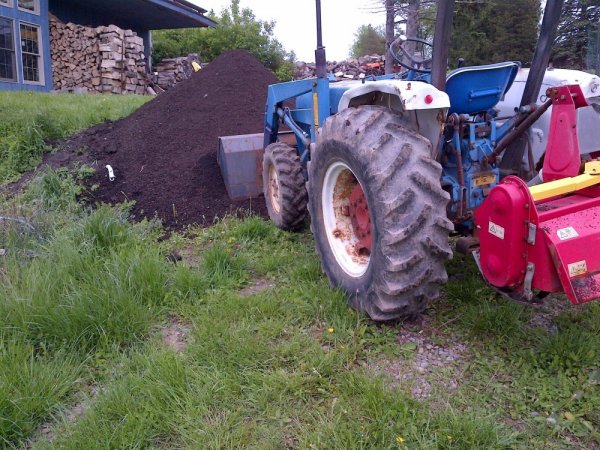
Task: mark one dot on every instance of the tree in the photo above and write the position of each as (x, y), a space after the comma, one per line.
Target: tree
(489, 31)
(238, 28)
(368, 40)
(411, 17)
(483, 31)
(576, 40)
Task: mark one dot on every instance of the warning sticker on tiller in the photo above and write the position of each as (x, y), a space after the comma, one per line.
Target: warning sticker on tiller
(496, 230)
(567, 233)
(577, 268)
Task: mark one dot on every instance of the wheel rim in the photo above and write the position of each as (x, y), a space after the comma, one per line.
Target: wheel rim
(346, 226)
(274, 189)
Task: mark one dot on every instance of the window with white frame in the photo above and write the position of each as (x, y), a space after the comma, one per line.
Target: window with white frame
(8, 69)
(32, 6)
(30, 51)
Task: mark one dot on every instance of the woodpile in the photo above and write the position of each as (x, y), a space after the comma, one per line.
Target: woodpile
(350, 68)
(171, 71)
(103, 59)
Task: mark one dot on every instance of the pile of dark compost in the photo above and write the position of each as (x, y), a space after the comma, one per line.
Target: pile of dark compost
(164, 155)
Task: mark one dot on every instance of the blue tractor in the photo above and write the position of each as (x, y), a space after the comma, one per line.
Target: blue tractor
(388, 167)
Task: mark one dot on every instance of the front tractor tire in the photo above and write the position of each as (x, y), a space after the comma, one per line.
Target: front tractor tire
(378, 212)
(284, 187)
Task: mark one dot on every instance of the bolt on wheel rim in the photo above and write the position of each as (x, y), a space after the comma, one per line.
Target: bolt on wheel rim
(343, 236)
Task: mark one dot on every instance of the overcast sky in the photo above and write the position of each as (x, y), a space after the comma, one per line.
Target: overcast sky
(296, 23)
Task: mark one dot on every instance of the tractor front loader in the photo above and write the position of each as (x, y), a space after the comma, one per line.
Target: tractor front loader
(389, 167)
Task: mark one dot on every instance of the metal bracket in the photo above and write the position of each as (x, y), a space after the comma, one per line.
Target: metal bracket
(477, 258)
(527, 292)
(527, 295)
(531, 232)
(466, 245)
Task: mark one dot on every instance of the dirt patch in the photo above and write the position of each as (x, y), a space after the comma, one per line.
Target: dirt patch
(175, 334)
(190, 255)
(164, 156)
(543, 315)
(47, 431)
(428, 365)
(256, 287)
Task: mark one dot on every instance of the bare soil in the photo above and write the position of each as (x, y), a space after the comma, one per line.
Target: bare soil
(175, 334)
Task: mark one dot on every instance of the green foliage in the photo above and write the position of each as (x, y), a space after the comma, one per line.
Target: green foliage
(96, 283)
(29, 120)
(367, 41)
(490, 31)
(222, 266)
(238, 28)
(59, 188)
(480, 33)
(285, 72)
(577, 41)
(32, 386)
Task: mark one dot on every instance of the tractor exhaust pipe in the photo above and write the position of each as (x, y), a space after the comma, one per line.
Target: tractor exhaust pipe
(441, 41)
(320, 58)
(541, 56)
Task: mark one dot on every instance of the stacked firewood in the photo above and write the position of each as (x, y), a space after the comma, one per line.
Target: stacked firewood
(171, 71)
(75, 56)
(351, 68)
(103, 59)
(123, 63)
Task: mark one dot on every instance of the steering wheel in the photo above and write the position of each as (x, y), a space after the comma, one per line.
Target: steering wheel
(403, 50)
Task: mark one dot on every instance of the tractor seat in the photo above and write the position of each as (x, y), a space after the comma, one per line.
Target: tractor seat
(477, 89)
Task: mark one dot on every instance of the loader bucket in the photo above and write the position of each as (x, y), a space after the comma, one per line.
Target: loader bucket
(240, 160)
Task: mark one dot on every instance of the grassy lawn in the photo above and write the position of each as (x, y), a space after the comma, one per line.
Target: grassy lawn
(109, 341)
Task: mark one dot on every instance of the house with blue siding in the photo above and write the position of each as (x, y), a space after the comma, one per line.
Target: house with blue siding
(25, 59)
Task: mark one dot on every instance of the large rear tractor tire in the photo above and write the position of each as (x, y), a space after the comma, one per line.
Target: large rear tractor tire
(284, 187)
(378, 212)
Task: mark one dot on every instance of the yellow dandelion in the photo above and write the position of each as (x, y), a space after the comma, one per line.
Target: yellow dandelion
(330, 330)
(400, 440)
(230, 240)
(228, 250)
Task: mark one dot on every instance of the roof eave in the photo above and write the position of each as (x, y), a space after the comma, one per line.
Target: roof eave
(183, 8)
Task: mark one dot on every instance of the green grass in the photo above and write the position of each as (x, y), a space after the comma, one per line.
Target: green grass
(85, 294)
(28, 120)
(32, 384)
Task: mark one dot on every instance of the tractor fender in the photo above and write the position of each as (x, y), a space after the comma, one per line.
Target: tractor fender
(422, 106)
(396, 94)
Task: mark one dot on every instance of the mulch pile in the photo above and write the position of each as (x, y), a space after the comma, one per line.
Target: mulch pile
(164, 155)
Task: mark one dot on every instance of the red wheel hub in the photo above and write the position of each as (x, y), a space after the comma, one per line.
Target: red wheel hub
(361, 220)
